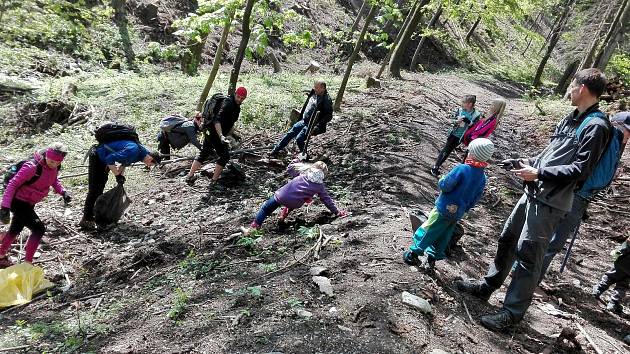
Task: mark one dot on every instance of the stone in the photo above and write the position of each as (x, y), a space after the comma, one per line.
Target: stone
(317, 270)
(626, 339)
(303, 314)
(438, 351)
(416, 302)
(324, 285)
(373, 82)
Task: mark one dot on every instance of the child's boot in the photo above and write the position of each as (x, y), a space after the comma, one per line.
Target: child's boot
(614, 307)
(411, 258)
(430, 263)
(249, 230)
(284, 212)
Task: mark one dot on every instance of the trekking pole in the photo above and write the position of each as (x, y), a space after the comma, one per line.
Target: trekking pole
(566, 255)
(311, 126)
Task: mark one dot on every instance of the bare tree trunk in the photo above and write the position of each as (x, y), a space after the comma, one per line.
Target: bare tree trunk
(217, 60)
(396, 40)
(120, 18)
(395, 62)
(355, 25)
(565, 80)
(555, 37)
(472, 29)
(416, 54)
(353, 57)
(240, 54)
(610, 41)
(587, 60)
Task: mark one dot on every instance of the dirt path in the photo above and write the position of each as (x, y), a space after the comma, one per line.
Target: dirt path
(172, 279)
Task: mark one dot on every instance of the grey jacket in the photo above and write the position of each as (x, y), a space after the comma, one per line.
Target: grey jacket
(568, 160)
(183, 134)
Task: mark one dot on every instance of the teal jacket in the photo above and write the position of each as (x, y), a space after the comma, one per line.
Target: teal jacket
(469, 118)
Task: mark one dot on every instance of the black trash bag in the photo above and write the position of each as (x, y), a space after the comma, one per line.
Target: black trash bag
(111, 205)
(418, 217)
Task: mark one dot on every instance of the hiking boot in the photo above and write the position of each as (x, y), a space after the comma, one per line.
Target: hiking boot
(284, 212)
(597, 291)
(190, 180)
(429, 265)
(476, 288)
(498, 322)
(435, 172)
(411, 259)
(87, 225)
(5, 262)
(614, 307)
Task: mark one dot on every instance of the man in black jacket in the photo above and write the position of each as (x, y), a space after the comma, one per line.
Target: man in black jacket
(550, 180)
(318, 100)
(179, 136)
(214, 139)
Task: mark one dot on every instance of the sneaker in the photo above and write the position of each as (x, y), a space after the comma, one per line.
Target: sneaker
(87, 225)
(614, 307)
(498, 322)
(411, 259)
(5, 262)
(597, 291)
(435, 172)
(478, 289)
(284, 212)
(429, 264)
(190, 179)
(249, 230)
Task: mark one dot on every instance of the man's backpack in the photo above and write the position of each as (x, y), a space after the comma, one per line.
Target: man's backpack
(211, 108)
(109, 132)
(168, 123)
(604, 172)
(13, 170)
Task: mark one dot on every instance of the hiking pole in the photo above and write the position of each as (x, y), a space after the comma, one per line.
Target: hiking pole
(311, 126)
(566, 255)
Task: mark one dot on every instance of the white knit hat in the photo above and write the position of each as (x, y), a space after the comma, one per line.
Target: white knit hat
(482, 149)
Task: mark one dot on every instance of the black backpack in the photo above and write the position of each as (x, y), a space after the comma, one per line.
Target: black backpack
(109, 132)
(15, 168)
(211, 108)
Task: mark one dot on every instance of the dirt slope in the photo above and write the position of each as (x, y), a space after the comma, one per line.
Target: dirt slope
(239, 297)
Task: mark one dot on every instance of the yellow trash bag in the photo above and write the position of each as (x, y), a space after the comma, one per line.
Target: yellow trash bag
(20, 282)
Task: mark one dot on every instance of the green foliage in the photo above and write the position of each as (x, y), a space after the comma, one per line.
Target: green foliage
(195, 266)
(179, 306)
(309, 233)
(295, 303)
(619, 65)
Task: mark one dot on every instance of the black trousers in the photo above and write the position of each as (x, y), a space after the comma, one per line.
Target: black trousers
(24, 216)
(451, 143)
(98, 172)
(210, 144)
(163, 145)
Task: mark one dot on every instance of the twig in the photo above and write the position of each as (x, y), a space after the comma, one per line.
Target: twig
(318, 244)
(98, 303)
(467, 312)
(290, 264)
(23, 305)
(588, 337)
(63, 241)
(63, 269)
(15, 348)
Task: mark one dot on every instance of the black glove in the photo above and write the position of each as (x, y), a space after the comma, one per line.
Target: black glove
(5, 215)
(511, 164)
(120, 179)
(66, 197)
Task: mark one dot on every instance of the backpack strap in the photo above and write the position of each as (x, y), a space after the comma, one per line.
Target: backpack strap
(38, 172)
(596, 114)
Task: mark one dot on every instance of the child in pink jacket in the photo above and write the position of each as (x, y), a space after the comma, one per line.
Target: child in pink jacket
(28, 187)
(308, 181)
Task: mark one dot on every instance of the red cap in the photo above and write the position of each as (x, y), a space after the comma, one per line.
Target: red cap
(241, 91)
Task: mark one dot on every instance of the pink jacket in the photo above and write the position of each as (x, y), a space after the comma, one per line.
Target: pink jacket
(35, 192)
(481, 129)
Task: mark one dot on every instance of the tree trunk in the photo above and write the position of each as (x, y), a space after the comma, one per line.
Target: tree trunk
(120, 18)
(395, 62)
(416, 54)
(217, 61)
(564, 82)
(353, 56)
(610, 41)
(555, 37)
(395, 41)
(240, 54)
(355, 25)
(472, 29)
(587, 60)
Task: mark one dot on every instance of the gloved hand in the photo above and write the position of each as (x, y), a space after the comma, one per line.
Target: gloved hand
(120, 179)
(5, 215)
(342, 213)
(511, 164)
(225, 140)
(66, 197)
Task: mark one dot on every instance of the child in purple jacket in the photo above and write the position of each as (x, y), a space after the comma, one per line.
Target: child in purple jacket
(28, 187)
(308, 181)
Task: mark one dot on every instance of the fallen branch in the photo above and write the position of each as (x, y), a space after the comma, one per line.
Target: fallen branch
(588, 337)
(467, 312)
(15, 348)
(63, 241)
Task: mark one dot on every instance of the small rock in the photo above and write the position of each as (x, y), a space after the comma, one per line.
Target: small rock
(438, 351)
(303, 313)
(344, 328)
(576, 282)
(626, 339)
(317, 270)
(324, 285)
(416, 302)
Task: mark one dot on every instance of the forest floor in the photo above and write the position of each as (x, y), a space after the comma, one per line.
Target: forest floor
(176, 276)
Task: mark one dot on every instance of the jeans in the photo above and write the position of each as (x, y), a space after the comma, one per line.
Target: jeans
(566, 228)
(525, 238)
(267, 208)
(298, 131)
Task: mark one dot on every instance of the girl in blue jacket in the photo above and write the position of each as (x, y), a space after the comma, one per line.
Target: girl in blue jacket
(460, 190)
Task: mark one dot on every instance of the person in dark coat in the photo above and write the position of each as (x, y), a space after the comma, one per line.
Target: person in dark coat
(179, 136)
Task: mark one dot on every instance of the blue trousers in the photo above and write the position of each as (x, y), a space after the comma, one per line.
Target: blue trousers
(267, 208)
(433, 236)
(297, 131)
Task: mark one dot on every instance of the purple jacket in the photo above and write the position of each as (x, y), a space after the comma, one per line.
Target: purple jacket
(35, 192)
(300, 189)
